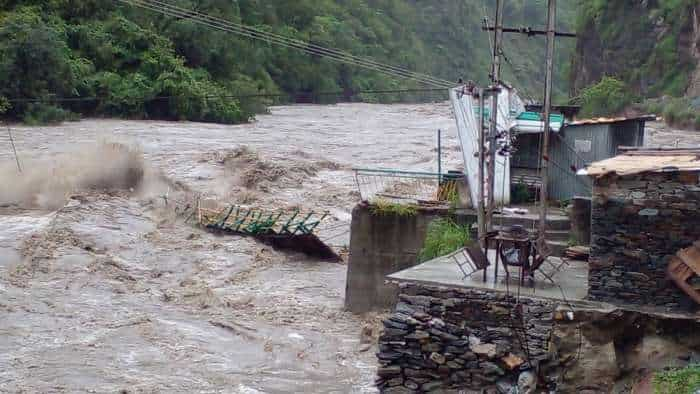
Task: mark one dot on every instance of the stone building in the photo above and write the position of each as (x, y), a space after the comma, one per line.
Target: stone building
(645, 209)
(449, 334)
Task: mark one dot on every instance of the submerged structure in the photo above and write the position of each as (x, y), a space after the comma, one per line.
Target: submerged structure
(289, 229)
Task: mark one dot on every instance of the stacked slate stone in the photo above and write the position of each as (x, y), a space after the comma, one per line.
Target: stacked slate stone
(638, 222)
(439, 338)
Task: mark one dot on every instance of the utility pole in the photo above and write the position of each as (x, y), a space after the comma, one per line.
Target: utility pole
(549, 64)
(480, 214)
(495, 84)
(551, 34)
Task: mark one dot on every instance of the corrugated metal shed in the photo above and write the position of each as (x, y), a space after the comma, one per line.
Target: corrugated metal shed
(573, 148)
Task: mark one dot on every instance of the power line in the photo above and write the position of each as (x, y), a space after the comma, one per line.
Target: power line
(320, 51)
(332, 54)
(293, 40)
(242, 96)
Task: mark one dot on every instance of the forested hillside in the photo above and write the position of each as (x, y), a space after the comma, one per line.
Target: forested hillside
(115, 60)
(650, 45)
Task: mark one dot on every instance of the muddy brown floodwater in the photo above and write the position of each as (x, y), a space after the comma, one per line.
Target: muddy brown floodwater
(102, 291)
(109, 290)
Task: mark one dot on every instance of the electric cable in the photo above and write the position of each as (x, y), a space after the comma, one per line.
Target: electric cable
(215, 23)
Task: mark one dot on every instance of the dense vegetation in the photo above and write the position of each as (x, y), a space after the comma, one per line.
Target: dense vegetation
(607, 97)
(678, 381)
(641, 56)
(140, 64)
(645, 44)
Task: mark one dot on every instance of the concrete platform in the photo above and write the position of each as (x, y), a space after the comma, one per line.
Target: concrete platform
(571, 281)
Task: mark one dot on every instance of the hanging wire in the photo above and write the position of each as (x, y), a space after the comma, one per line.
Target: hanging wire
(517, 73)
(332, 54)
(289, 39)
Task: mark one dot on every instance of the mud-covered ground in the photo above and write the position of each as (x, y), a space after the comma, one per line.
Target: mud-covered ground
(104, 287)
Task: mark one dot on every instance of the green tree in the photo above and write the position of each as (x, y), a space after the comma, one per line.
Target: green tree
(607, 97)
(35, 61)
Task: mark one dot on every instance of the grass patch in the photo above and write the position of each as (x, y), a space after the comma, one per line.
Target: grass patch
(386, 208)
(678, 381)
(444, 236)
(607, 97)
(677, 112)
(520, 194)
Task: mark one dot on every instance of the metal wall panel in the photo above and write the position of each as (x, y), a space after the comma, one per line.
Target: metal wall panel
(577, 147)
(572, 149)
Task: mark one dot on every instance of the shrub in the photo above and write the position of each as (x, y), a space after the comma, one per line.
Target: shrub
(607, 97)
(4, 105)
(42, 113)
(444, 237)
(696, 122)
(678, 381)
(520, 194)
(672, 113)
(385, 208)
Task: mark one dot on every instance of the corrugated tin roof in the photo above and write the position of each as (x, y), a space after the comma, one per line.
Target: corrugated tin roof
(635, 161)
(611, 120)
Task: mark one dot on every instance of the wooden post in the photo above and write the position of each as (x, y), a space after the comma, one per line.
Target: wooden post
(551, 18)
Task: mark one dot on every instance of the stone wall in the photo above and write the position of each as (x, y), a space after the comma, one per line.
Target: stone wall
(463, 340)
(439, 338)
(637, 223)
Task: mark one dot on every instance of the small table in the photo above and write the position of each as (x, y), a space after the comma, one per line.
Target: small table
(521, 243)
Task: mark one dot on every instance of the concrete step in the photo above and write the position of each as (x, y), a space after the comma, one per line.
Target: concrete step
(557, 247)
(558, 235)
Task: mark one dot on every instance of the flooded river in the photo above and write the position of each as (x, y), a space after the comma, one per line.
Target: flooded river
(110, 291)
(107, 291)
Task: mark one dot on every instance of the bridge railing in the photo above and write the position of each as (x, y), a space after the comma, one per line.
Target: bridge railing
(406, 187)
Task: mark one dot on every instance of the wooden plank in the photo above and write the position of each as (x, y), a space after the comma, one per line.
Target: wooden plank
(680, 277)
(677, 269)
(691, 258)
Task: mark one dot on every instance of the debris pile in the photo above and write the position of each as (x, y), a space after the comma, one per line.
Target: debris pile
(283, 229)
(256, 173)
